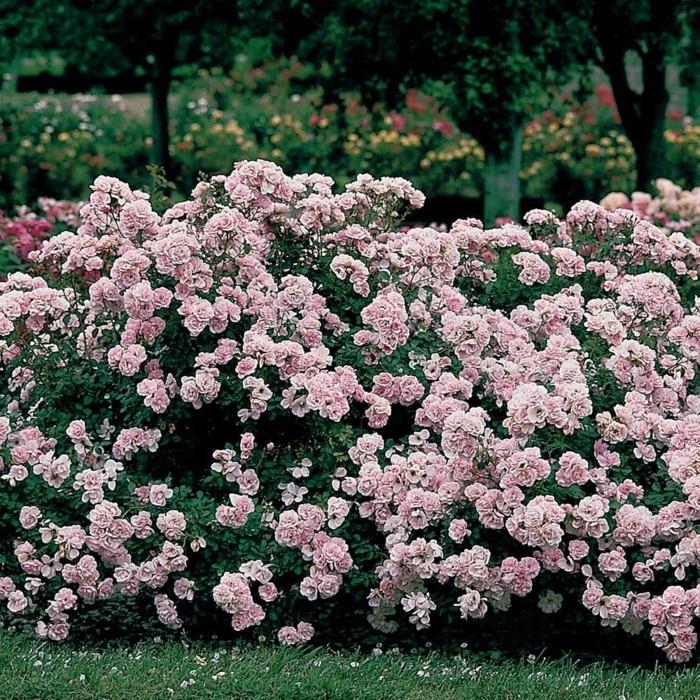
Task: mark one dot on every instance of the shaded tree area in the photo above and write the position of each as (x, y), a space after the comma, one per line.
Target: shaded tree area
(653, 32)
(494, 63)
(106, 37)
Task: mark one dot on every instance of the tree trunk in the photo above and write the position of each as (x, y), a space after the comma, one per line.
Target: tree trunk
(650, 147)
(643, 118)
(160, 88)
(693, 98)
(651, 150)
(502, 179)
(643, 115)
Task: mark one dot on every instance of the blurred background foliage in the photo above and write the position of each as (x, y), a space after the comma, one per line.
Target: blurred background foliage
(481, 104)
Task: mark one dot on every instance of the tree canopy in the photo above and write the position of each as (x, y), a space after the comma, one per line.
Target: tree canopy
(491, 62)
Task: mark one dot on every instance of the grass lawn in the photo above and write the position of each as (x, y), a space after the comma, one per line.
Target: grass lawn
(32, 670)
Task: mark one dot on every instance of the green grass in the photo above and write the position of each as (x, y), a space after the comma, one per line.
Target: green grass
(31, 670)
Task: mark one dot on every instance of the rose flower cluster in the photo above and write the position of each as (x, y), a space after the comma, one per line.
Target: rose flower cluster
(673, 208)
(272, 399)
(24, 232)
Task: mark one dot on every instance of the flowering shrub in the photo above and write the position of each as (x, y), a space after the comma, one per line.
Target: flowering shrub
(19, 236)
(22, 234)
(57, 146)
(275, 110)
(269, 405)
(578, 151)
(575, 150)
(673, 208)
(683, 146)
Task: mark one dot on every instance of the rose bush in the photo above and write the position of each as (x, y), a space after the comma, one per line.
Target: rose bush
(673, 208)
(578, 150)
(23, 233)
(56, 146)
(271, 406)
(274, 110)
